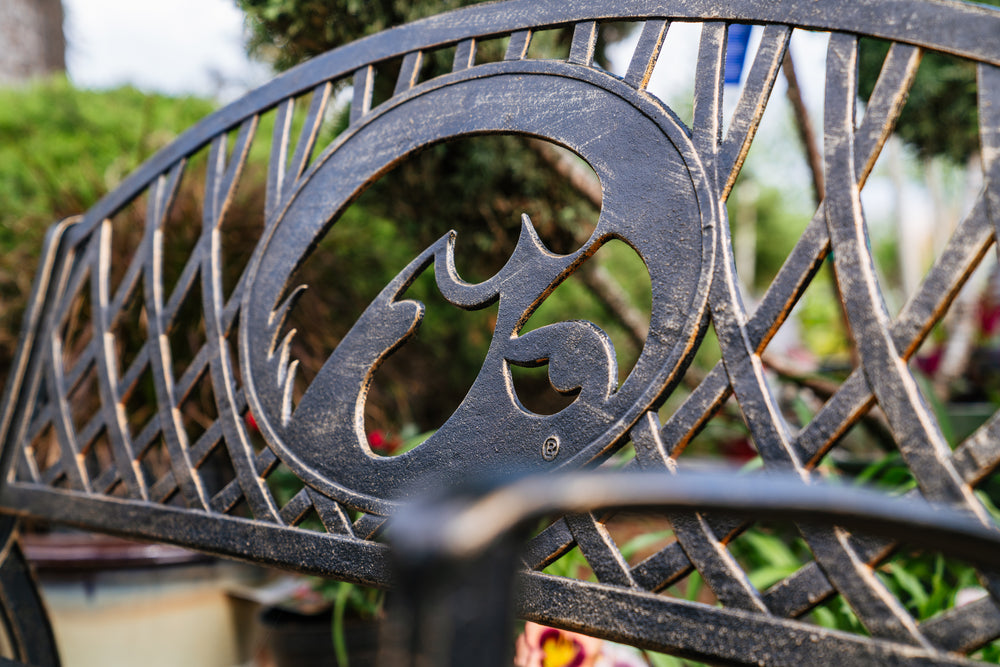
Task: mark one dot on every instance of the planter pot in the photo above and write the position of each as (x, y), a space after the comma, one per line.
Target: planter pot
(298, 639)
(111, 600)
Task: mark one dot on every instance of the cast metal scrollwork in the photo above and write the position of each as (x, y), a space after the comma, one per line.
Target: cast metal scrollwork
(77, 450)
(671, 228)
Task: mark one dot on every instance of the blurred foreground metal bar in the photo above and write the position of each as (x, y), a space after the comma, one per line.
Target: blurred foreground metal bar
(455, 555)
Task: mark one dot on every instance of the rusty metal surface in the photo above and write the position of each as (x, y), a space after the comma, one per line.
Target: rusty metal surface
(665, 187)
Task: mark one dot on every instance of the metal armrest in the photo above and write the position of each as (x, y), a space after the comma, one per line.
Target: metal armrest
(456, 555)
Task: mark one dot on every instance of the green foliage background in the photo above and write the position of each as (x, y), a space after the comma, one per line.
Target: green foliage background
(940, 117)
(61, 149)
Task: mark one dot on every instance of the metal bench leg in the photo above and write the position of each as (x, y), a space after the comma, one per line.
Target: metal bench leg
(24, 619)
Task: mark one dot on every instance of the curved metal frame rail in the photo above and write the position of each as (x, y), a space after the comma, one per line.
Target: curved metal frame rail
(665, 185)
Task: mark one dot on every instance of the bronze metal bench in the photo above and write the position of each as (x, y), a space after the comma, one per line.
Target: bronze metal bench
(73, 454)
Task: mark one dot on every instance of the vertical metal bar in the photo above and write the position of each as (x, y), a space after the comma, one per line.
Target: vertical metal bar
(581, 50)
(409, 72)
(364, 87)
(517, 48)
(465, 55)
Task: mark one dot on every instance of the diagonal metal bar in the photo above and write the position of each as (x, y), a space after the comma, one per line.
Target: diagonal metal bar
(646, 53)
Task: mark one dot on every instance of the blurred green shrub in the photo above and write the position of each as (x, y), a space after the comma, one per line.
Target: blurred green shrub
(61, 148)
(940, 119)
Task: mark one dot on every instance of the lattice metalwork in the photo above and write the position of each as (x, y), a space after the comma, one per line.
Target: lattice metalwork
(109, 435)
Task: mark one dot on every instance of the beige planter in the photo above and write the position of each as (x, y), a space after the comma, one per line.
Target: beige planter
(115, 602)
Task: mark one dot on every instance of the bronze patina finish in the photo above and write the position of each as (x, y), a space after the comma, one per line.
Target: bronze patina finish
(665, 185)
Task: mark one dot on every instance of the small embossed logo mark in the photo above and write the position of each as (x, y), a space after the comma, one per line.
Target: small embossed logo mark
(550, 448)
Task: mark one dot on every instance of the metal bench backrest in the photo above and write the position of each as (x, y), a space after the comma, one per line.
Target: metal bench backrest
(665, 187)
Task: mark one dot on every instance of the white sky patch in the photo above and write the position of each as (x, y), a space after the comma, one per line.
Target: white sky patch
(193, 47)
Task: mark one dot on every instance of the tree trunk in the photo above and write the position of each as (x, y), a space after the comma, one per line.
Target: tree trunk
(31, 32)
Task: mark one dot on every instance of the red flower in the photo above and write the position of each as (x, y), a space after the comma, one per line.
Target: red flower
(929, 363)
(383, 443)
(739, 450)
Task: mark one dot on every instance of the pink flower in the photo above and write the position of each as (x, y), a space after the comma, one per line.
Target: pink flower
(989, 313)
(540, 646)
(968, 595)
